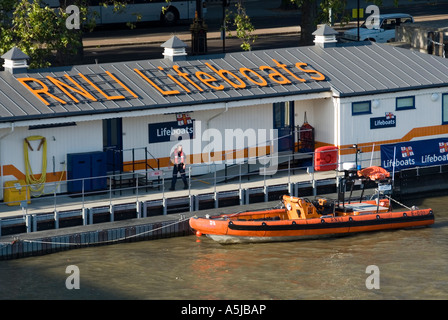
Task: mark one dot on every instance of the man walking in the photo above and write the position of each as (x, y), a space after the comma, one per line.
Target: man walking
(178, 160)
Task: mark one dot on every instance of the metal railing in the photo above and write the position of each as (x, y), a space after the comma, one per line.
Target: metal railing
(142, 188)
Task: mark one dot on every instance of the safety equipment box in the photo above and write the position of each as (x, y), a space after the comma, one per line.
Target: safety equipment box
(86, 171)
(16, 192)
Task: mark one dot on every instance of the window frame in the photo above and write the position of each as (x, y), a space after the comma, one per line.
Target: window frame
(404, 108)
(444, 96)
(363, 112)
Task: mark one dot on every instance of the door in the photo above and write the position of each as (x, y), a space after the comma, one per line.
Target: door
(113, 143)
(284, 123)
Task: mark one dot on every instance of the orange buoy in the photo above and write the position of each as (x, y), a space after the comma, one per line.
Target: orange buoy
(198, 233)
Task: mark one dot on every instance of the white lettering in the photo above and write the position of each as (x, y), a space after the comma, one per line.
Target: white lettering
(373, 21)
(72, 281)
(373, 281)
(72, 21)
(198, 310)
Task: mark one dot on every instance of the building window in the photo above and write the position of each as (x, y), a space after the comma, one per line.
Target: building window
(361, 108)
(405, 103)
(445, 108)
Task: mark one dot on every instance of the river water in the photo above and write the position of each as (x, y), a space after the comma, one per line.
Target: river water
(410, 264)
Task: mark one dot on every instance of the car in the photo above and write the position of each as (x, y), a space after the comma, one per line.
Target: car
(382, 34)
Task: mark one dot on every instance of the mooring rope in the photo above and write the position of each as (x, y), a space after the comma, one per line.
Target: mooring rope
(401, 204)
(101, 242)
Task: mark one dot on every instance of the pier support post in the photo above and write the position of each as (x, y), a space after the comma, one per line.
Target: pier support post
(138, 209)
(216, 197)
(165, 209)
(34, 224)
(291, 189)
(246, 195)
(85, 216)
(145, 209)
(241, 193)
(266, 193)
(28, 223)
(56, 219)
(296, 190)
(112, 212)
(192, 202)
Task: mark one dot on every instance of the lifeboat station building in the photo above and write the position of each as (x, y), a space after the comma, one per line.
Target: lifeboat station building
(64, 123)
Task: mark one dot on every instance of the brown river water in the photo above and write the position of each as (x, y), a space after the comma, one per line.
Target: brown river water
(410, 264)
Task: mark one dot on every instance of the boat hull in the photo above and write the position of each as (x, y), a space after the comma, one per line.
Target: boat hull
(225, 230)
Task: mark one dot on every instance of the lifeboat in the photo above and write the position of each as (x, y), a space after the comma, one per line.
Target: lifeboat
(300, 218)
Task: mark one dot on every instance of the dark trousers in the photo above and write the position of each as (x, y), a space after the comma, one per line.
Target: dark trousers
(176, 169)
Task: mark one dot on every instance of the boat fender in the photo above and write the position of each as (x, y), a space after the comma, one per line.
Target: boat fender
(293, 222)
(430, 212)
(230, 222)
(350, 219)
(404, 214)
(378, 217)
(263, 223)
(322, 221)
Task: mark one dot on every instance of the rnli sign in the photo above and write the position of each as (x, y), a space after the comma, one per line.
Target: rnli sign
(176, 80)
(170, 131)
(414, 154)
(389, 120)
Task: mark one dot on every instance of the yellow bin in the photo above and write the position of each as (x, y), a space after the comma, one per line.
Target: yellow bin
(15, 192)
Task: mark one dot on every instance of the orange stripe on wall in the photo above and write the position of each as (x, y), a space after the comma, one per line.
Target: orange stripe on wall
(11, 170)
(413, 133)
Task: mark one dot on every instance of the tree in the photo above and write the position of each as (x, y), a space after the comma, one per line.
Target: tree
(39, 31)
(239, 20)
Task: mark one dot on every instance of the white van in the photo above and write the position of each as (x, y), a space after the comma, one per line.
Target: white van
(385, 32)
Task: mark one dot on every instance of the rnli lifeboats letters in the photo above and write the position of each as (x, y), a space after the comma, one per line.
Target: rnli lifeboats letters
(414, 154)
(165, 81)
(389, 120)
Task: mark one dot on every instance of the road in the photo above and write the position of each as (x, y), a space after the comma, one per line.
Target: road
(277, 29)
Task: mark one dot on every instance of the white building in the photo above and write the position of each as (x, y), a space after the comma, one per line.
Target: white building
(361, 93)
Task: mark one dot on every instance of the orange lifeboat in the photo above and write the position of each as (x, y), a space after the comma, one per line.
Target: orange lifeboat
(301, 218)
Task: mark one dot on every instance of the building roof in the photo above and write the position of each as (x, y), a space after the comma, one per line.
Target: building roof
(15, 54)
(349, 70)
(325, 30)
(173, 42)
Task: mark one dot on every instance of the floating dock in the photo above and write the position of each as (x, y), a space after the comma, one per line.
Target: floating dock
(40, 229)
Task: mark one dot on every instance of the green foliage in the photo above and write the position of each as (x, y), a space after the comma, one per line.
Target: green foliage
(239, 20)
(39, 31)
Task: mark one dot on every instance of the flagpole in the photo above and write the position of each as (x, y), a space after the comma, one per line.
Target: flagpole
(393, 167)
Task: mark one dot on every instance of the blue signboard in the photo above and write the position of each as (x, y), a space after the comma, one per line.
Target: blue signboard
(169, 131)
(389, 120)
(414, 154)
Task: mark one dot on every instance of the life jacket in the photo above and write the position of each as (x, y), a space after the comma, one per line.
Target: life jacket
(176, 157)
